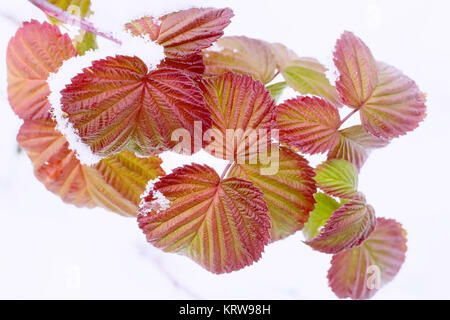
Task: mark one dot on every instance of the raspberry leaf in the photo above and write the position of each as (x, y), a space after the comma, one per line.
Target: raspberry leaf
(36, 50)
(241, 55)
(243, 115)
(222, 225)
(309, 124)
(358, 273)
(288, 192)
(338, 178)
(355, 145)
(115, 183)
(118, 104)
(347, 227)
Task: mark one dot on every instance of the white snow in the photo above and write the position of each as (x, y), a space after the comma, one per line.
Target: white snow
(161, 203)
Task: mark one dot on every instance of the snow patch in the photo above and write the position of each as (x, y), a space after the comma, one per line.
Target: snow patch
(161, 203)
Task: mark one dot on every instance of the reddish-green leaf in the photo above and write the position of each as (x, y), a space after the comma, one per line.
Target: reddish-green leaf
(36, 50)
(338, 178)
(348, 227)
(359, 272)
(355, 144)
(288, 192)
(243, 115)
(221, 224)
(390, 103)
(358, 70)
(241, 55)
(396, 106)
(115, 183)
(309, 124)
(118, 104)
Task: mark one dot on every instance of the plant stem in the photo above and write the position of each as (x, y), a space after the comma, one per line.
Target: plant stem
(71, 19)
(225, 171)
(348, 116)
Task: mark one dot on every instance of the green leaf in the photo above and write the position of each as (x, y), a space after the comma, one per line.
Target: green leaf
(85, 41)
(307, 76)
(277, 89)
(338, 178)
(325, 206)
(79, 8)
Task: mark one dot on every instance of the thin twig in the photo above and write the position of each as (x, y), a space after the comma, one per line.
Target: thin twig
(71, 19)
(348, 116)
(226, 170)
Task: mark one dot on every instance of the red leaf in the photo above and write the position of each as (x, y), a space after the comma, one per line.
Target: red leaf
(221, 224)
(115, 183)
(192, 65)
(243, 105)
(348, 227)
(118, 104)
(356, 273)
(36, 50)
(390, 103)
(355, 144)
(309, 124)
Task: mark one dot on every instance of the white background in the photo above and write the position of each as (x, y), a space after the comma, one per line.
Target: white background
(52, 250)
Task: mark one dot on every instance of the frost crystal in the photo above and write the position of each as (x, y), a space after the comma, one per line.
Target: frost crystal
(160, 203)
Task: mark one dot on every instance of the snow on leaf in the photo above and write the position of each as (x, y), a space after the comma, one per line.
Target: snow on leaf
(288, 193)
(36, 50)
(348, 227)
(396, 106)
(309, 124)
(355, 145)
(358, 273)
(145, 27)
(358, 70)
(222, 225)
(241, 55)
(118, 104)
(115, 183)
(338, 178)
(308, 76)
(243, 115)
(390, 103)
(325, 207)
